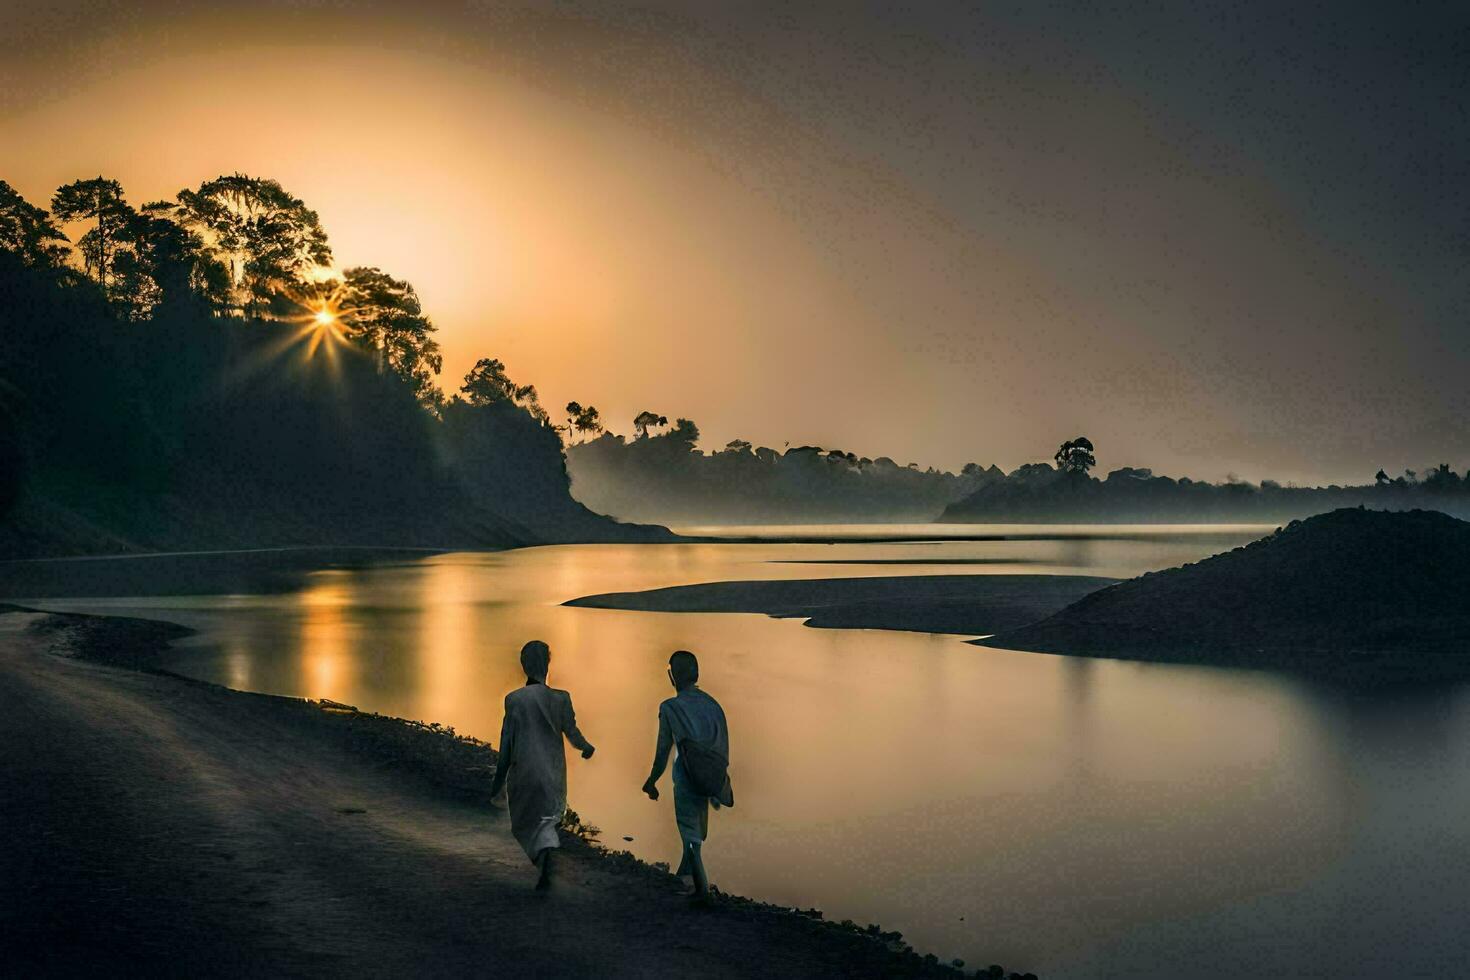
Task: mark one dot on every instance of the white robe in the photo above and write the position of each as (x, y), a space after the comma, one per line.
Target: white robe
(536, 718)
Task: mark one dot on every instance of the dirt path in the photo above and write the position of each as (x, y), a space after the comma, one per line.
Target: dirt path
(153, 825)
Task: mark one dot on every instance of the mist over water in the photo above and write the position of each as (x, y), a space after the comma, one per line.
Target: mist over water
(1079, 818)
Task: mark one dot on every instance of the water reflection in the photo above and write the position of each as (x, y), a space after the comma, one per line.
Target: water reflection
(328, 667)
(1078, 818)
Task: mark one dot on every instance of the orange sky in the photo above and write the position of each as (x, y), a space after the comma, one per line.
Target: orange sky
(828, 232)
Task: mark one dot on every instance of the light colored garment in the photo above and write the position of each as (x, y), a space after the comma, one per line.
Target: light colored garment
(690, 714)
(536, 719)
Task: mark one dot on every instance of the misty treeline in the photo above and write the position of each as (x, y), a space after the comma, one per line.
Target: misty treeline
(666, 477)
(1065, 491)
(192, 373)
(666, 474)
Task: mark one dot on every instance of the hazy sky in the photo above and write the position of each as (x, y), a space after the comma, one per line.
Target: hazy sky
(1216, 240)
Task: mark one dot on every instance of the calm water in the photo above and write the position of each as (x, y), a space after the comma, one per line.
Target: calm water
(1077, 818)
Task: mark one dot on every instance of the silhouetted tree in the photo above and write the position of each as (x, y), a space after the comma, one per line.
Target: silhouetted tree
(644, 421)
(487, 384)
(737, 446)
(99, 200)
(1381, 478)
(587, 421)
(383, 315)
(684, 434)
(1075, 455)
(1442, 478)
(271, 240)
(29, 232)
(162, 264)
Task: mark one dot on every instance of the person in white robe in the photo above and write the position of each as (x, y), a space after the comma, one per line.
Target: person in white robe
(532, 764)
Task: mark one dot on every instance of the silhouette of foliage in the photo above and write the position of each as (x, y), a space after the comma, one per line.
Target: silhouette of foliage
(1036, 492)
(28, 231)
(488, 384)
(98, 200)
(384, 316)
(644, 421)
(667, 478)
(584, 420)
(270, 240)
(1075, 455)
(205, 430)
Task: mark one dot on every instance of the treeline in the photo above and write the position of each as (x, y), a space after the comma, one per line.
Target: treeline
(665, 477)
(1066, 492)
(193, 373)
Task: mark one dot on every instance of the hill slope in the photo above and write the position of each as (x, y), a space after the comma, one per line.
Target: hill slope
(188, 431)
(1351, 593)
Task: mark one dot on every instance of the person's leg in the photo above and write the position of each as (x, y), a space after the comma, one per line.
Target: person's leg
(543, 864)
(695, 863)
(691, 812)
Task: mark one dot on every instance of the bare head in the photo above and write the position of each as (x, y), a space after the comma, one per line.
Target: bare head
(683, 669)
(536, 660)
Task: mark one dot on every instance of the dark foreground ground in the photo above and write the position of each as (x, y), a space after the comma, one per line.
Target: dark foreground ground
(151, 825)
(973, 605)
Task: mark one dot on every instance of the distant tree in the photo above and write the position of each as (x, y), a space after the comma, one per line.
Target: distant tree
(488, 384)
(1075, 455)
(383, 315)
(1381, 478)
(573, 410)
(644, 421)
(99, 200)
(684, 432)
(1442, 478)
(271, 241)
(29, 232)
(737, 446)
(587, 421)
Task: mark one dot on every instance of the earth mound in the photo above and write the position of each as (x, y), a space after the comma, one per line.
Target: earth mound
(1352, 593)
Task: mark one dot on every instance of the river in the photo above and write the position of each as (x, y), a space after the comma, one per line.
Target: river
(1077, 818)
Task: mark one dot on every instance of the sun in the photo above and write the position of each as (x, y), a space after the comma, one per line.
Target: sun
(322, 327)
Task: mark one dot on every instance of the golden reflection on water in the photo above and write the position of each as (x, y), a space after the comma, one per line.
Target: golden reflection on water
(1062, 807)
(444, 650)
(328, 664)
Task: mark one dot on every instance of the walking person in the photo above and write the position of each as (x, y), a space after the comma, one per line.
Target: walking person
(532, 762)
(695, 722)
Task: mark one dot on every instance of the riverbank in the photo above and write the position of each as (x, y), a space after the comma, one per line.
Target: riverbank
(971, 605)
(1357, 596)
(161, 825)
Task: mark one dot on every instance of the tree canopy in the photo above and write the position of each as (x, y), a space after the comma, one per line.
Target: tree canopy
(644, 421)
(1075, 455)
(28, 231)
(99, 200)
(384, 316)
(269, 239)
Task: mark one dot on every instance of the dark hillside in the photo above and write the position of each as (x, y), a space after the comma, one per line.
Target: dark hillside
(193, 431)
(1351, 593)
